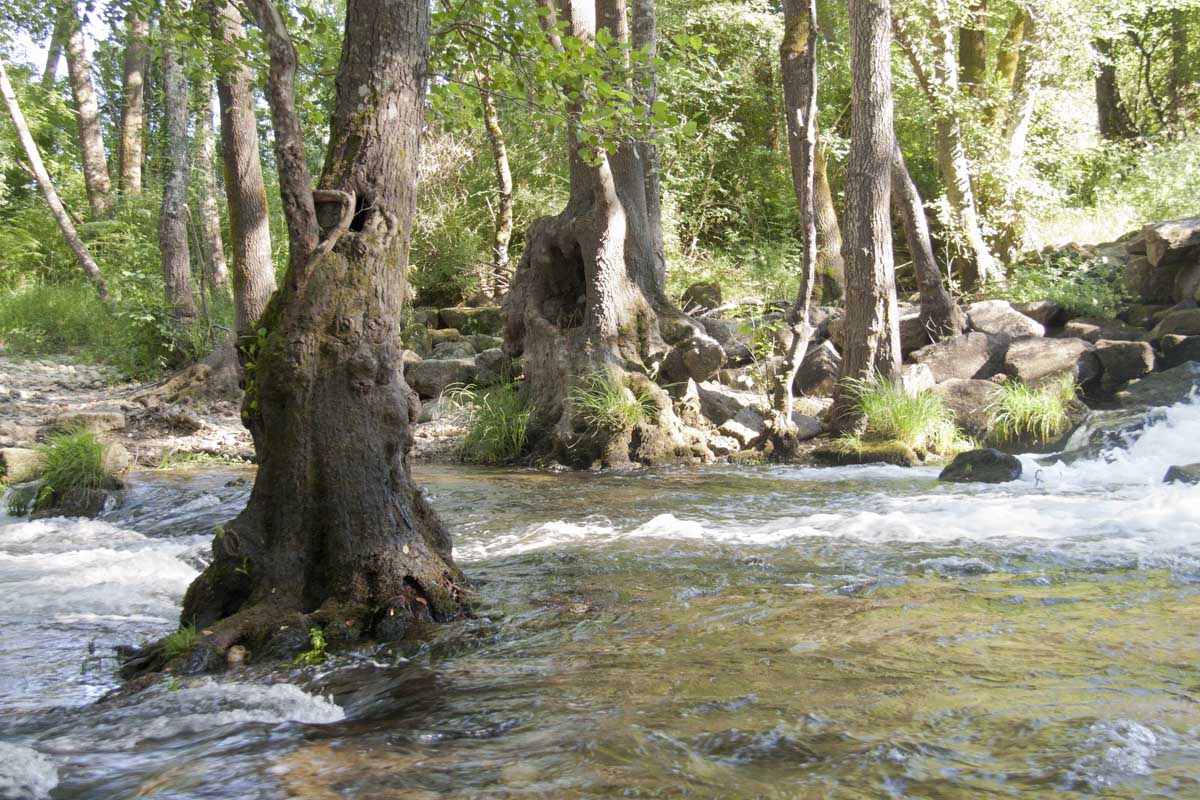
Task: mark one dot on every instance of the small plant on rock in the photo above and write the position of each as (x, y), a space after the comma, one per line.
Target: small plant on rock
(919, 420)
(316, 654)
(181, 641)
(605, 404)
(497, 426)
(1039, 413)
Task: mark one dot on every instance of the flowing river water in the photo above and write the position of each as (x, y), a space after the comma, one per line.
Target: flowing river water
(725, 632)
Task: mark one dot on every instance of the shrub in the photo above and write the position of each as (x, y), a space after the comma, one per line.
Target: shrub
(1041, 412)
(921, 421)
(605, 404)
(496, 430)
(1082, 288)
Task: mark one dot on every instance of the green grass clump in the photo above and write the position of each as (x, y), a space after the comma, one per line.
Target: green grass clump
(181, 641)
(498, 423)
(922, 421)
(605, 404)
(1040, 413)
(74, 460)
(316, 652)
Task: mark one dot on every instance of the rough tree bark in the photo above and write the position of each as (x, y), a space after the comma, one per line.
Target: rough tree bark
(939, 315)
(1112, 115)
(798, 62)
(133, 104)
(495, 280)
(831, 269)
(940, 86)
(644, 37)
(972, 49)
(872, 325)
(91, 139)
(336, 533)
(38, 167)
(173, 218)
(216, 270)
(587, 301)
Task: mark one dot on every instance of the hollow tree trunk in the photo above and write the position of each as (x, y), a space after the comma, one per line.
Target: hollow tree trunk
(133, 104)
(586, 300)
(1112, 115)
(972, 49)
(831, 269)
(173, 219)
(336, 533)
(54, 50)
(494, 283)
(38, 167)
(91, 139)
(217, 271)
(644, 37)
(872, 326)
(245, 192)
(939, 316)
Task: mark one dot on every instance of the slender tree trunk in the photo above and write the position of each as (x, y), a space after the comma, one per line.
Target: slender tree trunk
(587, 301)
(1177, 76)
(1009, 54)
(1112, 116)
(872, 325)
(831, 269)
(1030, 73)
(939, 316)
(173, 219)
(495, 283)
(38, 167)
(336, 533)
(210, 219)
(245, 193)
(798, 63)
(91, 139)
(972, 49)
(644, 37)
(133, 104)
(54, 50)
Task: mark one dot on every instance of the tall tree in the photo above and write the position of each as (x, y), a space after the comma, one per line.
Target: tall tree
(91, 136)
(872, 325)
(54, 48)
(336, 533)
(495, 282)
(173, 220)
(133, 102)
(38, 168)
(644, 39)
(972, 48)
(1112, 115)
(216, 270)
(831, 269)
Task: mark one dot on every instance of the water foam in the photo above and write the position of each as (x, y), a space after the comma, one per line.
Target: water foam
(25, 774)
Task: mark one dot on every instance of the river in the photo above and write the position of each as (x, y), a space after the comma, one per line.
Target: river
(791, 632)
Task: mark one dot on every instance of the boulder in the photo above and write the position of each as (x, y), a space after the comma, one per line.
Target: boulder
(443, 335)
(819, 371)
(1187, 282)
(972, 355)
(19, 464)
(1177, 349)
(982, 466)
(1092, 329)
(698, 357)
(913, 335)
(486, 320)
(1036, 360)
(807, 427)
(891, 452)
(429, 378)
(723, 445)
(416, 337)
(483, 341)
(1172, 242)
(459, 349)
(969, 400)
(999, 318)
(734, 337)
(1122, 362)
(494, 367)
(916, 378)
(409, 357)
(1179, 321)
(748, 427)
(90, 421)
(425, 316)
(72, 503)
(742, 378)
(719, 403)
(1165, 388)
(1046, 313)
(1149, 283)
(117, 458)
(1188, 473)
(700, 297)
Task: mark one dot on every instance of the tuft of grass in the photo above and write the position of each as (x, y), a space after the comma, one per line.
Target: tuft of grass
(74, 460)
(922, 421)
(316, 652)
(181, 641)
(498, 423)
(1039, 412)
(605, 404)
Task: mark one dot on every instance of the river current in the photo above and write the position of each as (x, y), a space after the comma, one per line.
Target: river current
(791, 632)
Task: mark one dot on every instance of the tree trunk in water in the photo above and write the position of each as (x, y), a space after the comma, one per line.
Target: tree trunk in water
(798, 63)
(91, 139)
(586, 302)
(972, 49)
(495, 282)
(1112, 116)
(210, 218)
(173, 220)
(245, 193)
(872, 325)
(336, 533)
(644, 37)
(939, 316)
(831, 269)
(132, 105)
(43, 179)
(54, 50)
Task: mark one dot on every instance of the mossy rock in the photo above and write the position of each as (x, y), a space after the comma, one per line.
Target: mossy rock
(486, 320)
(443, 335)
(73, 502)
(891, 452)
(416, 337)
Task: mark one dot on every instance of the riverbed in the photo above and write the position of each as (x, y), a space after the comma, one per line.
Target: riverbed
(791, 632)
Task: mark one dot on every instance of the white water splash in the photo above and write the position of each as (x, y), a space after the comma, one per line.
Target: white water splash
(25, 774)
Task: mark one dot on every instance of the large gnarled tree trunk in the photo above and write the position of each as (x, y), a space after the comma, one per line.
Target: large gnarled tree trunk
(91, 137)
(872, 325)
(133, 103)
(587, 303)
(336, 533)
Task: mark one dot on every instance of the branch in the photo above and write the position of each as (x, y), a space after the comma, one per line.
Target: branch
(327, 244)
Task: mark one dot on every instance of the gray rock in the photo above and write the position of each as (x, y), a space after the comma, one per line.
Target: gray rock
(999, 318)
(117, 458)
(1046, 313)
(916, 378)
(417, 338)
(1172, 242)
(819, 371)
(90, 421)
(425, 316)
(734, 337)
(1181, 322)
(19, 464)
(723, 445)
(807, 427)
(1092, 329)
(1162, 388)
(1187, 473)
(719, 403)
(969, 400)
(742, 378)
(429, 378)
(410, 357)
(1036, 360)
(1187, 282)
(698, 357)
(982, 466)
(486, 320)
(1177, 349)
(482, 341)
(913, 335)
(701, 297)
(1149, 283)
(494, 367)
(1123, 362)
(459, 349)
(972, 355)
(748, 427)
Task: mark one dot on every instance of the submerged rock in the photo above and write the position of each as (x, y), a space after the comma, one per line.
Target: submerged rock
(982, 466)
(897, 453)
(1188, 473)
